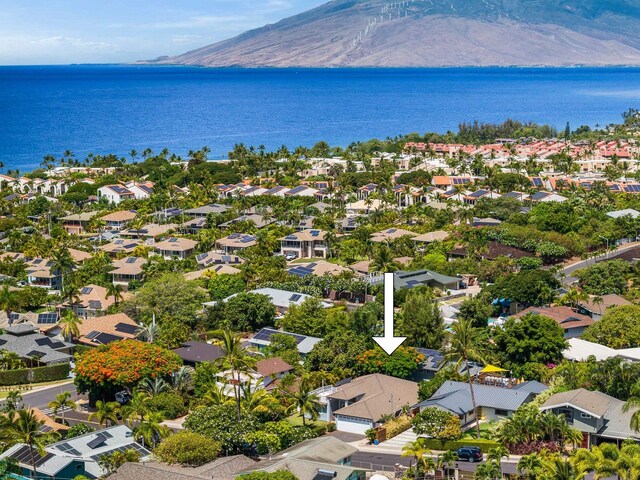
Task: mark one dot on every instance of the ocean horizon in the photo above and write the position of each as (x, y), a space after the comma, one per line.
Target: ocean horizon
(114, 108)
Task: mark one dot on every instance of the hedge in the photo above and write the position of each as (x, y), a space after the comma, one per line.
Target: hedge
(22, 376)
(484, 445)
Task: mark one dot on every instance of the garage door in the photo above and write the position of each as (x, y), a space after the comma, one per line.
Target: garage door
(352, 424)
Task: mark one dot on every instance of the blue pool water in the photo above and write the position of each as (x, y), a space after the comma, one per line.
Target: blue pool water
(110, 108)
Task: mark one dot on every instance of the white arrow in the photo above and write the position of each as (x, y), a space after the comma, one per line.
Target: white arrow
(389, 343)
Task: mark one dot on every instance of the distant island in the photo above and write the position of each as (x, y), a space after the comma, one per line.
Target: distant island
(433, 33)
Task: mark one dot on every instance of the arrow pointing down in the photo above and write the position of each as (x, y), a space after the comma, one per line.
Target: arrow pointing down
(389, 343)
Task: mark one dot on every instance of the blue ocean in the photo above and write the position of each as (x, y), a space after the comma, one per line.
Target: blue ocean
(101, 109)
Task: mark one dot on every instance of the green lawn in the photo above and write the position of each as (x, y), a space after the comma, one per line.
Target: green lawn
(296, 421)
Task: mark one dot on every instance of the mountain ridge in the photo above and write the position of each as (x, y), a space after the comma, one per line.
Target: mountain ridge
(436, 33)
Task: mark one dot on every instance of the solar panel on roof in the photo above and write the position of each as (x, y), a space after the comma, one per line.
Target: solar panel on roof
(96, 442)
(95, 304)
(36, 354)
(226, 258)
(247, 239)
(131, 260)
(118, 242)
(295, 297)
(173, 240)
(43, 341)
(13, 316)
(86, 291)
(47, 318)
(92, 334)
(126, 328)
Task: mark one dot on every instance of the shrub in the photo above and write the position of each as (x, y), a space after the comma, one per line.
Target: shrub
(49, 373)
(188, 448)
(79, 429)
(170, 404)
(484, 445)
(528, 448)
(398, 425)
(279, 475)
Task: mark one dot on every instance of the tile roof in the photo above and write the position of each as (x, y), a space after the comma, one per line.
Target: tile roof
(270, 366)
(563, 316)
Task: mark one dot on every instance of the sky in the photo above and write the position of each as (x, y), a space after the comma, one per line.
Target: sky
(46, 32)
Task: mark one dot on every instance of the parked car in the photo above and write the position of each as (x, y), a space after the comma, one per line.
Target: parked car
(470, 454)
(290, 256)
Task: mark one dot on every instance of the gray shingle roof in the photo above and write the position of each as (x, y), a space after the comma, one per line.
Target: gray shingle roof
(456, 397)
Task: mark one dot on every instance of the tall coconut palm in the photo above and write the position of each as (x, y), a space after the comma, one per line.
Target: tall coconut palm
(114, 291)
(106, 413)
(236, 359)
(382, 261)
(465, 346)
(62, 402)
(151, 430)
(304, 401)
(62, 263)
(446, 460)
(27, 428)
(70, 325)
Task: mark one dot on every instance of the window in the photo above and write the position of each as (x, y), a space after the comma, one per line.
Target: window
(501, 413)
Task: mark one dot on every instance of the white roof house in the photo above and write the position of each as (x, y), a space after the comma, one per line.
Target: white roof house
(580, 350)
(281, 299)
(621, 213)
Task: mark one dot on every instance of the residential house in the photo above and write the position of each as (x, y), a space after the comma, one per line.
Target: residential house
(545, 197)
(140, 190)
(262, 339)
(202, 212)
(595, 309)
(150, 231)
(433, 361)
(493, 402)
(120, 246)
(574, 324)
(193, 353)
(116, 194)
(600, 417)
(324, 457)
(258, 220)
(580, 350)
(305, 244)
(92, 301)
(492, 251)
(427, 238)
(95, 331)
(223, 468)
(194, 225)
(391, 234)
(271, 370)
(41, 274)
(318, 268)
(119, 220)
(485, 222)
(78, 223)
(221, 269)
(127, 270)
(208, 259)
(236, 242)
(175, 248)
(628, 212)
(281, 299)
(472, 198)
(75, 456)
(420, 278)
(361, 404)
(33, 347)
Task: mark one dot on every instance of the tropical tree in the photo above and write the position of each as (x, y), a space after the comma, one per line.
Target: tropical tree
(529, 466)
(137, 407)
(304, 401)
(151, 430)
(62, 402)
(496, 455)
(154, 386)
(27, 428)
(446, 460)
(63, 263)
(236, 359)
(488, 471)
(559, 469)
(465, 345)
(9, 301)
(601, 461)
(382, 261)
(114, 291)
(419, 452)
(633, 403)
(70, 325)
(106, 413)
(182, 380)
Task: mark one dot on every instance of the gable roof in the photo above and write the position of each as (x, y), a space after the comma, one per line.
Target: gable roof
(456, 397)
(223, 468)
(562, 315)
(595, 404)
(272, 366)
(193, 351)
(374, 393)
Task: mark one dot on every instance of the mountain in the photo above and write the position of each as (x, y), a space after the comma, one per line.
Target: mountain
(421, 33)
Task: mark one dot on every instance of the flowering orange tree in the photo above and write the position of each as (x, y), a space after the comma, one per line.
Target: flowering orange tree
(102, 371)
(402, 363)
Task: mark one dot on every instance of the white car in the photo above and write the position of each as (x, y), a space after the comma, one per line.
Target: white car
(290, 256)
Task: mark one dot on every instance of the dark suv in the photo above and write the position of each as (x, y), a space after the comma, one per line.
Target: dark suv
(470, 454)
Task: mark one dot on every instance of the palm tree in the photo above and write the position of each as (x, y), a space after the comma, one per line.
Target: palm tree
(9, 301)
(382, 261)
(151, 430)
(529, 466)
(419, 452)
(149, 332)
(236, 359)
(70, 325)
(182, 380)
(600, 460)
(465, 346)
(496, 455)
(445, 460)
(633, 403)
(304, 400)
(26, 428)
(559, 469)
(216, 395)
(106, 413)
(114, 291)
(62, 263)
(573, 298)
(62, 401)
(137, 407)
(488, 471)
(154, 386)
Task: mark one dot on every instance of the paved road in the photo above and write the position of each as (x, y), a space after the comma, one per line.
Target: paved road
(568, 270)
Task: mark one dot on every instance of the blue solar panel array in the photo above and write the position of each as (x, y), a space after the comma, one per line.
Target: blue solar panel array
(265, 335)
